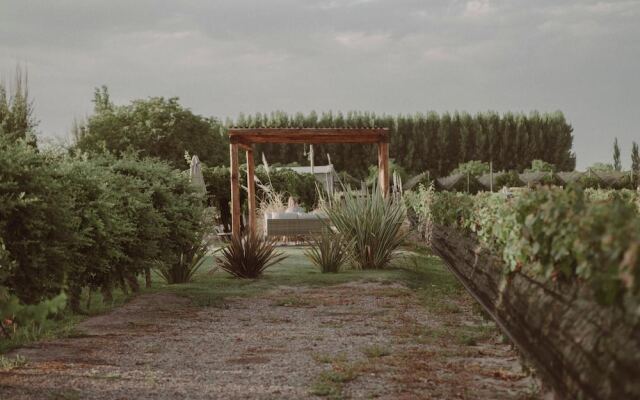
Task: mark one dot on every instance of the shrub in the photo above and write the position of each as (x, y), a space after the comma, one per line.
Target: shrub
(13, 312)
(190, 261)
(328, 251)
(74, 223)
(374, 224)
(37, 225)
(248, 256)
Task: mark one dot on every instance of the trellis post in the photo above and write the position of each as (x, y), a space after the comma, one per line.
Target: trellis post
(235, 190)
(383, 167)
(251, 190)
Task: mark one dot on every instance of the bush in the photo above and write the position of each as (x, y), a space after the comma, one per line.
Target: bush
(74, 223)
(37, 224)
(328, 251)
(248, 256)
(374, 224)
(14, 314)
(190, 261)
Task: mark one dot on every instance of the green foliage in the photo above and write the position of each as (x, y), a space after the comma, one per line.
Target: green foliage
(541, 166)
(190, 261)
(290, 183)
(431, 142)
(284, 181)
(328, 251)
(248, 256)
(37, 225)
(14, 313)
(635, 158)
(474, 168)
(508, 179)
(566, 235)
(155, 127)
(394, 169)
(617, 164)
(73, 222)
(16, 112)
(374, 224)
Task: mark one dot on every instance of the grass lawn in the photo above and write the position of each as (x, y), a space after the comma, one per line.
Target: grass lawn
(417, 269)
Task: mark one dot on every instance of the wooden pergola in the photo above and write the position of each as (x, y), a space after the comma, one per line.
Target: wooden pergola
(245, 138)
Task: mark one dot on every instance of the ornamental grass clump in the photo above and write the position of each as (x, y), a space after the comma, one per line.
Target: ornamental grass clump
(373, 222)
(248, 256)
(329, 251)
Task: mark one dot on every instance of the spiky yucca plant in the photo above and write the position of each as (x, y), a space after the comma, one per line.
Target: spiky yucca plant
(329, 251)
(249, 255)
(373, 222)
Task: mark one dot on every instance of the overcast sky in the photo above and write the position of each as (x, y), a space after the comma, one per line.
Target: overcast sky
(222, 57)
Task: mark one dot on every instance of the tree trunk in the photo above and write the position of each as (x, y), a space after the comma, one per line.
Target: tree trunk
(147, 277)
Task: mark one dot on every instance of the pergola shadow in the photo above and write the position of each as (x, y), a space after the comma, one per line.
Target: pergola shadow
(245, 138)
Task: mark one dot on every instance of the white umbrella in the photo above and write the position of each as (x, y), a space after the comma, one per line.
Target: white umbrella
(195, 174)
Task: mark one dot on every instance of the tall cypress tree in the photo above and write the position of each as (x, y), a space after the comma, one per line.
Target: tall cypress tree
(635, 159)
(17, 121)
(617, 164)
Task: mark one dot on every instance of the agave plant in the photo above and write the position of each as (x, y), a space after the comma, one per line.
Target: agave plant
(248, 256)
(329, 251)
(373, 222)
(190, 261)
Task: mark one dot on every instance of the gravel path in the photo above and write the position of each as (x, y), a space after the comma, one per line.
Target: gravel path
(357, 340)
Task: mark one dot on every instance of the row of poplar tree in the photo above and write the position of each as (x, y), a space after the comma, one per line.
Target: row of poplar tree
(431, 141)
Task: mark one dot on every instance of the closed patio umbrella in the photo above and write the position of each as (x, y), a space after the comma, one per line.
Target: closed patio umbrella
(195, 174)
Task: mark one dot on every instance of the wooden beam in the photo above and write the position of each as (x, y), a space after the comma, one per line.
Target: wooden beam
(308, 135)
(235, 190)
(251, 191)
(245, 147)
(383, 167)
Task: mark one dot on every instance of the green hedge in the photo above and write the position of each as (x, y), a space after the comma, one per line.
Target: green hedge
(67, 223)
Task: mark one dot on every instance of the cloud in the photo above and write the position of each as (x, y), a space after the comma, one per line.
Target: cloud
(228, 56)
(362, 40)
(477, 8)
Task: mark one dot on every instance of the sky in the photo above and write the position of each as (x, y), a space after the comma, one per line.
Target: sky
(223, 57)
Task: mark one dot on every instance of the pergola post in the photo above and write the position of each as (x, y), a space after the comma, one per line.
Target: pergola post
(235, 190)
(251, 191)
(383, 167)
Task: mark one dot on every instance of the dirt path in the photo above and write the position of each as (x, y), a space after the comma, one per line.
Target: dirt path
(358, 340)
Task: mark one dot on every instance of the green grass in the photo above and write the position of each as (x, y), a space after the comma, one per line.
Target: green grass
(417, 269)
(330, 383)
(376, 351)
(64, 325)
(9, 363)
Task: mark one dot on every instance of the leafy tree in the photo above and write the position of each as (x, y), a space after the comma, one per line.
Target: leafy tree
(617, 164)
(541, 166)
(155, 127)
(473, 168)
(17, 121)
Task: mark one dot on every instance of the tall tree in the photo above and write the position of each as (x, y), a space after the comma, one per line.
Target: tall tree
(617, 164)
(17, 121)
(635, 160)
(155, 127)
